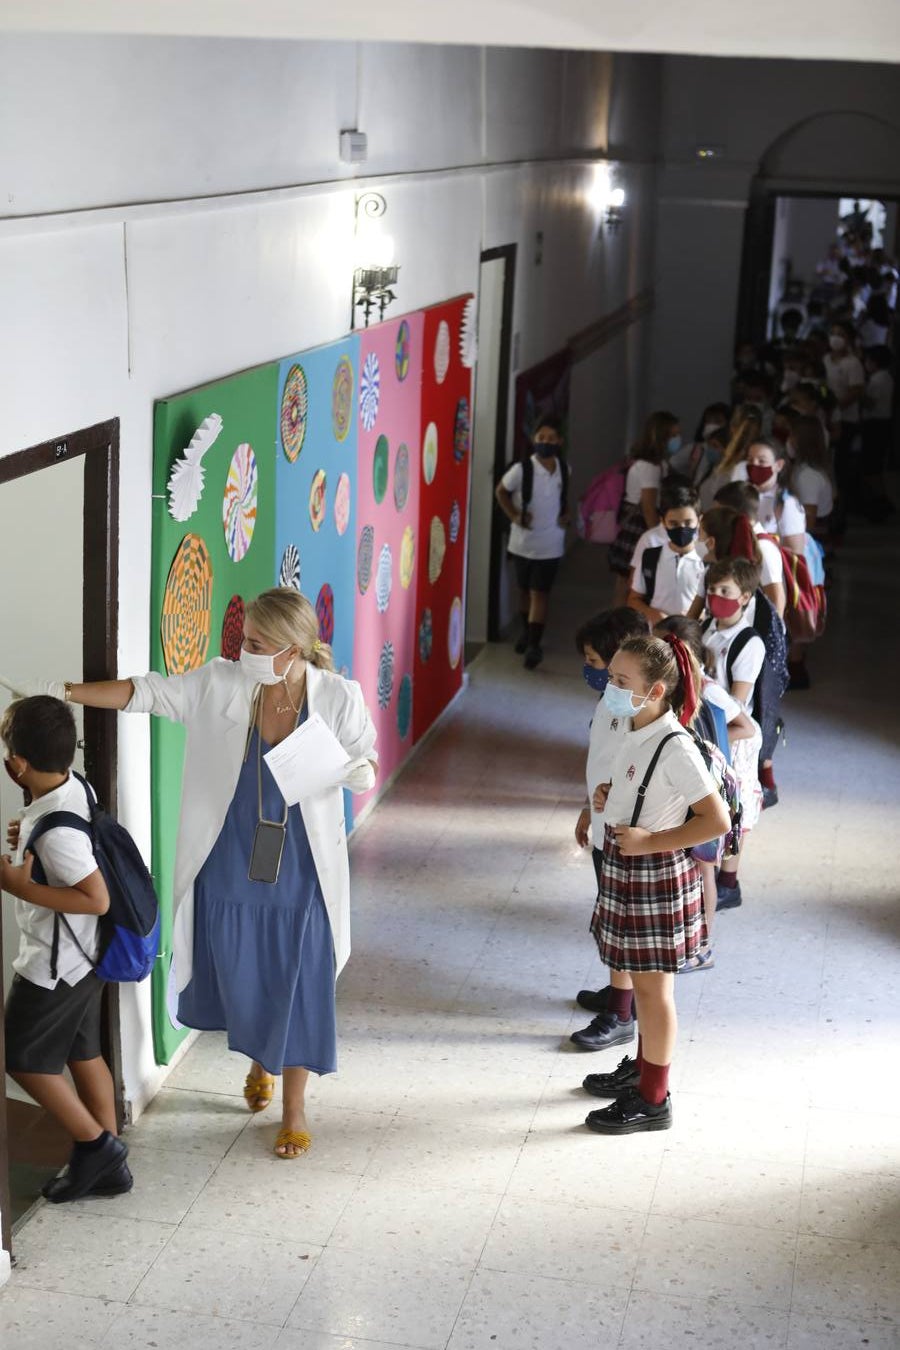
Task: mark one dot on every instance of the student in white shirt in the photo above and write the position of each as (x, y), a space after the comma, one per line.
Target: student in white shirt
(649, 919)
(639, 511)
(877, 426)
(745, 428)
(670, 578)
(730, 586)
(54, 1006)
(846, 380)
(537, 539)
(730, 530)
(779, 511)
(810, 475)
(598, 641)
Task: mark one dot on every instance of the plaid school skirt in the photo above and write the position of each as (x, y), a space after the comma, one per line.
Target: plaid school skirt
(631, 526)
(649, 911)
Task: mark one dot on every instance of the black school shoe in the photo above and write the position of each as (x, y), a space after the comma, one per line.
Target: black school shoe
(604, 1031)
(728, 897)
(625, 1075)
(533, 658)
(770, 797)
(630, 1114)
(593, 1000)
(90, 1169)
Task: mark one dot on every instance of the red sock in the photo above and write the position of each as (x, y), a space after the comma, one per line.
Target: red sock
(619, 1002)
(767, 777)
(639, 1062)
(654, 1082)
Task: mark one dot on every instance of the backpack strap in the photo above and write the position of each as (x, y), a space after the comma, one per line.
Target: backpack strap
(57, 820)
(649, 569)
(564, 489)
(734, 651)
(642, 790)
(527, 489)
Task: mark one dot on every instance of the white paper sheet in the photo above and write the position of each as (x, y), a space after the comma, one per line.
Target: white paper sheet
(309, 761)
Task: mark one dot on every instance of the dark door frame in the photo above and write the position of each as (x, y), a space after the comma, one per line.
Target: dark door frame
(99, 445)
(508, 253)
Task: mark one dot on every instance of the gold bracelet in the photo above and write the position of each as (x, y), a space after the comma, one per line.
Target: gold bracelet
(67, 687)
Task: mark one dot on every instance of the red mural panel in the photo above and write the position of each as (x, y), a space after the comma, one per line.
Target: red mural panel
(443, 507)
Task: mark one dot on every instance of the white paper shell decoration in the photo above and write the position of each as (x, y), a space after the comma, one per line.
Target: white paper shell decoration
(186, 478)
(468, 335)
(442, 351)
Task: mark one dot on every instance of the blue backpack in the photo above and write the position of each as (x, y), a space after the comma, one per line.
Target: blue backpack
(129, 930)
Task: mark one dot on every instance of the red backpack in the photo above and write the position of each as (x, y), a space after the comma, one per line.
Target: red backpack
(805, 608)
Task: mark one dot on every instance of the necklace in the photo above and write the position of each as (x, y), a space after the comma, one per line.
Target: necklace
(291, 706)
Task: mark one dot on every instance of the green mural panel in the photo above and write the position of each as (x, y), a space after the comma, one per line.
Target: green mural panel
(238, 548)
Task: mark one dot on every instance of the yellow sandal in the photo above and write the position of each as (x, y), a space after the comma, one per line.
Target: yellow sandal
(298, 1138)
(258, 1092)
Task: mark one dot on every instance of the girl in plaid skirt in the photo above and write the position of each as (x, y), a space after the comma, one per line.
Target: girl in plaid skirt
(648, 919)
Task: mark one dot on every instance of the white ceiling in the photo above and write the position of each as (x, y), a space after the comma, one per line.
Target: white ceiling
(865, 30)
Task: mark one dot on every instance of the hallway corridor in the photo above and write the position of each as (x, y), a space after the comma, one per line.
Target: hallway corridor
(452, 1197)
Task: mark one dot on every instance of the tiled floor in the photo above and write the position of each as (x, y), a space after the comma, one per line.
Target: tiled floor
(452, 1197)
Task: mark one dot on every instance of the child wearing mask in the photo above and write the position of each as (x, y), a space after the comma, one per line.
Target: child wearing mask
(598, 641)
(779, 511)
(725, 536)
(640, 504)
(745, 427)
(670, 577)
(810, 456)
(648, 919)
(537, 539)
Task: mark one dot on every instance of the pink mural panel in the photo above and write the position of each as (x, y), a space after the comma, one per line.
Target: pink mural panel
(387, 531)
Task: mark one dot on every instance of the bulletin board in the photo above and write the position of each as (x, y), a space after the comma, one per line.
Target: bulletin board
(202, 569)
(343, 471)
(446, 431)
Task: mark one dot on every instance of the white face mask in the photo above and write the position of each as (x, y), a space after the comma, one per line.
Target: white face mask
(836, 343)
(709, 428)
(261, 667)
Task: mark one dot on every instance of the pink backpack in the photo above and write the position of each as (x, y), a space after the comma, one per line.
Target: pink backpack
(598, 509)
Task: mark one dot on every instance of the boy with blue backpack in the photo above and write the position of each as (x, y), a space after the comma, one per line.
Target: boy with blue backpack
(53, 1012)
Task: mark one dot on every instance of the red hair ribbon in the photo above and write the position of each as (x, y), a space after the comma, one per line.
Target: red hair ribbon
(685, 670)
(742, 540)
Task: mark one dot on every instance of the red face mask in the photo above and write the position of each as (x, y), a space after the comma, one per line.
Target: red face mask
(720, 607)
(759, 474)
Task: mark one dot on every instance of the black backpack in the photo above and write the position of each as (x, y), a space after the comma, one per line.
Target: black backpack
(129, 930)
(528, 482)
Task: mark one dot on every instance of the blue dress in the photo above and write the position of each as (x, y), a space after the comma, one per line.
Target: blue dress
(264, 967)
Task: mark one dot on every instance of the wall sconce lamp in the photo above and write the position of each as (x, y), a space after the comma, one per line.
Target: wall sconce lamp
(608, 201)
(376, 272)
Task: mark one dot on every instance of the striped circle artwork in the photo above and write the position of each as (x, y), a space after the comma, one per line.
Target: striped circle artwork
(369, 391)
(289, 571)
(342, 399)
(317, 501)
(233, 629)
(455, 520)
(386, 675)
(187, 607)
(294, 411)
(239, 502)
(325, 613)
(384, 579)
(404, 707)
(364, 557)
(342, 504)
(401, 351)
(401, 477)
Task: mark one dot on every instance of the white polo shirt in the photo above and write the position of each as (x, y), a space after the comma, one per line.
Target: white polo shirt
(649, 539)
(606, 738)
(772, 569)
(843, 373)
(67, 858)
(714, 693)
(786, 517)
(640, 476)
(680, 578)
(545, 537)
(812, 487)
(747, 665)
(680, 778)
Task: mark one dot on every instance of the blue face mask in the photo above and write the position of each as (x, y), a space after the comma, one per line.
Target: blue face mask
(673, 445)
(619, 702)
(595, 679)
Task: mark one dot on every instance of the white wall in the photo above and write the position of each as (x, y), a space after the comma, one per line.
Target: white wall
(811, 126)
(113, 305)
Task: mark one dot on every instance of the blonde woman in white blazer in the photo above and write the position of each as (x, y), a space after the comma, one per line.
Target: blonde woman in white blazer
(255, 958)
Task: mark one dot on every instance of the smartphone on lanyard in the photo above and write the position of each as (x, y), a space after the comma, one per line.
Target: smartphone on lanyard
(268, 846)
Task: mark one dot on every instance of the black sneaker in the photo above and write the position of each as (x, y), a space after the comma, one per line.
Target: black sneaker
(728, 897)
(521, 645)
(117, 1183)
(770, 797)
(88, 1169)
(630, 1114)
(625, 1075)
(533, 658)
(604, 1031)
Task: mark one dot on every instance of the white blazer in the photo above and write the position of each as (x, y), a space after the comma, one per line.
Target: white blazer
(213, 704)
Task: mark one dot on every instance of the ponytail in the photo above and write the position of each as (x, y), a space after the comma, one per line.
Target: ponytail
(671, 662)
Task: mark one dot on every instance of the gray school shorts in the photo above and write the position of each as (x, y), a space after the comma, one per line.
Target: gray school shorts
(48, 1028)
